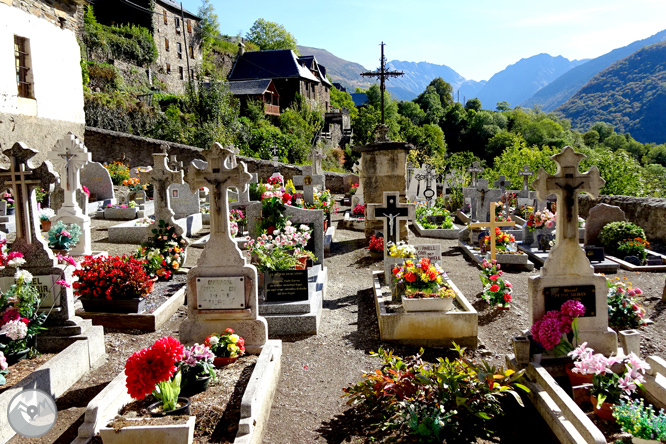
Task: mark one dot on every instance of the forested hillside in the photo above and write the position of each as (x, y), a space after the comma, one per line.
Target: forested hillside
(630, 96)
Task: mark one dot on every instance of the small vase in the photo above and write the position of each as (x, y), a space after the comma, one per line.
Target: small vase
(302, 263)
(155, 409)
(192, 385)
(10, 211)
(576, 378)
(536, 358)
(604, 412)
(221, 362)
(376, 254)
(46, 225)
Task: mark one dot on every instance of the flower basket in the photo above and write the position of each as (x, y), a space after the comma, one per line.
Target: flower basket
(426, 304)
(113, 305)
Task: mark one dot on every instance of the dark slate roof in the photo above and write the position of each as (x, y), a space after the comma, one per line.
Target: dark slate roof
(275, 64)
(249, 87)
(339, 87)
(311, 63)
(360, 99)
(173, 4)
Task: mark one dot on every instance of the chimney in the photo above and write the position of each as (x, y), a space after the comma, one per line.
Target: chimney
(241, 48)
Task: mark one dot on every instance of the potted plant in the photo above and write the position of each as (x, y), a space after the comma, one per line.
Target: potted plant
(226, 347)
(282, 250)
(496, 291)
(352, 189)
(359, 211)
(197, 369)
(163, 253)
(63, 237)
(238, 217)
(10, 203)
(624, 310)
(639, 420)
(424, 287)
(154, 370)
(608, 386)
(376, 247)
(557, 331)
(45, 215)
(112, 284)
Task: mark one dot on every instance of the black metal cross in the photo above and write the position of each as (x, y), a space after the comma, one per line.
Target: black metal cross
(382, 74)
(391, 212)
(428, 193)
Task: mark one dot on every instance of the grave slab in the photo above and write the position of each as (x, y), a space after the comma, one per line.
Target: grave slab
(439, 233)
(538, 257)
(507, 261)
(352, 223)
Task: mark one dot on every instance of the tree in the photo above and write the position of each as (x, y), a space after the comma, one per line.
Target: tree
(474, 104)
(341, 99)
(503, 106)
(271, 35)
(207, 31)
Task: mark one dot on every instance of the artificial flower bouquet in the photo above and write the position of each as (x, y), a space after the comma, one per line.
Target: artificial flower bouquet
(540, 219)
(282, 249)
(134, 184)
(496, 290)
(376, 244)
(558, 329)
(197, 362)
(353, 188)
(401, 250)
(502, 240)
(608, 386)
(64, 237)
(9, 198)
(130, 204)
(640, 420)
(359, 210)
(422, 279)
(113, 277)
(226, 345)
(624, 310)
(164, 252)
(155, 370)
(237, 217)
(523, 211)
(45, 214)
(499, 212)
(273, 202)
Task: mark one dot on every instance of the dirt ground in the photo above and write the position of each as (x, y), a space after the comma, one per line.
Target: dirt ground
(308, 407)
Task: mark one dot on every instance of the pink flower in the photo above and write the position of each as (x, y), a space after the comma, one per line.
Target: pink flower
(63, 283)
(65, 233)
(547, 332)
(494, 277)
(573, 308)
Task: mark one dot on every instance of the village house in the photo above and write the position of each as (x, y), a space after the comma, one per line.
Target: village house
(174, 30)
(41, 98)
(262, 90)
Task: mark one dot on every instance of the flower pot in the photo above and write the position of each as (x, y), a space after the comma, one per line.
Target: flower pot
(113, 305)
(604, 412)
(221, 362)
(376, 254)
(10, 211)
(302, 263)
(576, 378)
(57, 251)
(155, 409)
(46, 225)
(536, 358)
(502, 307)
(13, 358)
(191, 385)
(426, 304)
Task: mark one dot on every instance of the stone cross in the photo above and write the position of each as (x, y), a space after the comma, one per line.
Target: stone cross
(566, 184)
(23, 180)
(502, 184)
(410, 171)
(357, 198)
(174, 164)
(491, 225)
(244, 192)
(309, 180)
(428, 177)
(161, 177)
(69, 156)
(477, 195)
(526, 173)
(218, 177)
(474, 170)
(317, 155)
(275, 150)
(392, 213)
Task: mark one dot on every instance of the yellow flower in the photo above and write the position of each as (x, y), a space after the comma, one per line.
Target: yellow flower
(175, 265)
(233, 338)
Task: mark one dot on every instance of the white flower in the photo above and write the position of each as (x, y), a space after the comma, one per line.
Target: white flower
(213, 340)
(16, 329)
(16, 262)
(22, 276)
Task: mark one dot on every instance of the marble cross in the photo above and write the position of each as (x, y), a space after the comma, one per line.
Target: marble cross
(317, 155)
(474, 170)
(566, 184)
(161, 177)
(23, 180)
(275, 150)
(392, 213)
(69, 156)
(491, 225)
(526, 173)
(309, 180)
(218, 177)
(477, 195)
(428, 177)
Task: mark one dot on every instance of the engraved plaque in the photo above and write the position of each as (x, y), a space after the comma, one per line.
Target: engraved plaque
(585, 294)
(307, 180)
(220, 293)
(45, 285)
(431, 251)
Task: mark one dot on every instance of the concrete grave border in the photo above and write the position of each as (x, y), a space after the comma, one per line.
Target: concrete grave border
(438, 233)
(631, 267)
(352, 223)
(511, 261)
(140, 321)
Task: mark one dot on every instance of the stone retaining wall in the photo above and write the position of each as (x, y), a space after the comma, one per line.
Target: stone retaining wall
(107, 146)
(648, 212)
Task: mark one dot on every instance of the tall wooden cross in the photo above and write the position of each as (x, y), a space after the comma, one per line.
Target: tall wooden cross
(391, 213)
(308, 180)
(218, 177)
(428, 176)
(491, 225)
(566, 184)
(161, 177)
(474, 170)
(382, 74)
(23, 180)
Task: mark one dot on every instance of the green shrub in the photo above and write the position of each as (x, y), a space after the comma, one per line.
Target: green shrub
(615, 232)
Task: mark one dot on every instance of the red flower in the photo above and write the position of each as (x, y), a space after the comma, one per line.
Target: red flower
(494, 288)
(229, 330)
(410, 277)
(494, 277)
(286, 198)
(507, 297)
(145, 368)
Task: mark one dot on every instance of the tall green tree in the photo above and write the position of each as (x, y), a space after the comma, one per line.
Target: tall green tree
(271, 35)
(207, 31)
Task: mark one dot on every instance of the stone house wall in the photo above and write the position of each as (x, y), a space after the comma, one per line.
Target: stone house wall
(107, 146)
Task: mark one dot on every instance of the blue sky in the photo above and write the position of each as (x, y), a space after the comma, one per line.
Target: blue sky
(476, 38)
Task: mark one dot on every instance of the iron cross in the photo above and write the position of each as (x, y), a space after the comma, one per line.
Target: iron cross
(382, 74)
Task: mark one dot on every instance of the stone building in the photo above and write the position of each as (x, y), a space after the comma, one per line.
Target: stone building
(41, 97)
(174, 30)
(262, 90)
(291, 75)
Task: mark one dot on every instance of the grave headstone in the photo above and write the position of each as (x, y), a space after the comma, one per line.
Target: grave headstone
(221, 273)
(69, 156)
(309, 181)
(357, 198)
(430, 251)
(598, 217)
(391, 212)
(98, 181)
(415, 186)
(567, 273)
(491, 225)
(182, 201)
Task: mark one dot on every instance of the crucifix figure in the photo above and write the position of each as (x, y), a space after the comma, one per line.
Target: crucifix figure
(477, 195)
(161, 177)
(429, 175)
(308, 180)
(391, 212)
(491, 225)
(566, 184)
(382, 74)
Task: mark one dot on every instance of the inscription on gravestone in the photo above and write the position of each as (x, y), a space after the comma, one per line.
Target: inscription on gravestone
(291, 285)
(595, 254)
(585, 294)
(431, 251)
(223, 293)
